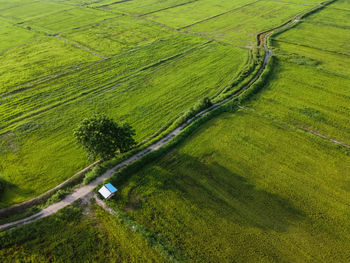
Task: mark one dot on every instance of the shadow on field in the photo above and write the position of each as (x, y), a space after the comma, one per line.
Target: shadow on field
(217, 190)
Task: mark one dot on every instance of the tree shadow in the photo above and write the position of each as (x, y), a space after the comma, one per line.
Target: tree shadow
(217, 190)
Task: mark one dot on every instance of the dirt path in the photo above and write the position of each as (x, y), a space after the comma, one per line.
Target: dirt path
(85, 191)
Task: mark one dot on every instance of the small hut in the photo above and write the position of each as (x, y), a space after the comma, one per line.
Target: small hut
(107, 191)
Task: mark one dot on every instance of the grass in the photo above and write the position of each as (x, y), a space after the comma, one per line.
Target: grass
(341, 4)
(20, 13)
(195, 12)
(225, 194)
(69, 19)
(147, 99)
(38, 59)
(70, 236)
(334, 17)
(305, 97)
(13, 36)
(7, 4)
(139, 7)
(305, 34)
(253, 185)
(241, 26)
(118, 35)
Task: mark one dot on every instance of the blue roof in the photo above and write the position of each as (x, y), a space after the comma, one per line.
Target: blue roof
(111, 188)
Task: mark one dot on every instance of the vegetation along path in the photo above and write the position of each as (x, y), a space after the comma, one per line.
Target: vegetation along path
(86, 190)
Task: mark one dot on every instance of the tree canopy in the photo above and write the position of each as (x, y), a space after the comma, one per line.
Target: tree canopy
(101, 137)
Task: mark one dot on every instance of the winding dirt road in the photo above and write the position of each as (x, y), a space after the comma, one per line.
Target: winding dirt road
(87, 190)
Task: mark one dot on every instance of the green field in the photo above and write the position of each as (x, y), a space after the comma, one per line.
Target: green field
(12, 36)
(42, 118)
(118, 35)
(31, 10)
(42, 58)
(266, 183)
(258, 184)
(341, 4)
(195, 12)
(241, 26)
(244, 189)
(317, 38)
(69, 19)
(73, 236)
(139, 7)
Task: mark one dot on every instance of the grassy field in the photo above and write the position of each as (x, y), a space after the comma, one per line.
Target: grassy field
(241, 26)
(257, 185)
(195, 12)
(244, 189)
(118, 35)
(138, 7)
(12, 36)
(155, 92)
(341, 4)
(128, 67)
(33, 9)
(330, 16)
(71, 236)
(317, 38)
(69, 19)
(38, 59)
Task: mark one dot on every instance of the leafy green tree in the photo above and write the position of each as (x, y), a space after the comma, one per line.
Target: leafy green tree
(101, 137)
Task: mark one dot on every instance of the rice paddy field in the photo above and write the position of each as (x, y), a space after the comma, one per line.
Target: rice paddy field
(270, 182)
(77, 235)
(144, 62)
(266, 183)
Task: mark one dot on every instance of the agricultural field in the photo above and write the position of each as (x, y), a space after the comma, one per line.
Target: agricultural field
(69, 19)
(266, 182)
(119, 35)
(269, 182)
(241, 26)
(20, 13)
(77, 235)
(137, 8)
(13, 36)
(129, 68)
(243, 188)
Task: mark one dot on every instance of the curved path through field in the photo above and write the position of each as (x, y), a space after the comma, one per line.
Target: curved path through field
(86, 190)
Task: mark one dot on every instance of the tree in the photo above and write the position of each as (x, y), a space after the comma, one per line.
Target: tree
(101, 137)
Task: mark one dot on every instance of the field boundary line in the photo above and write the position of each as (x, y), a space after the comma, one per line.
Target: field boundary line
(90, 24)
(79, 46)
(106, 5)
(221, 14)
(32, 83)
(170, 7)
(287, 2)
(308, 46)
(340, 143)
(294, 127)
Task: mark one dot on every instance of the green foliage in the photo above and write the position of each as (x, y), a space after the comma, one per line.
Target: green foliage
(93, 174)
(70, 237)
(58, 196)
(101, 137)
